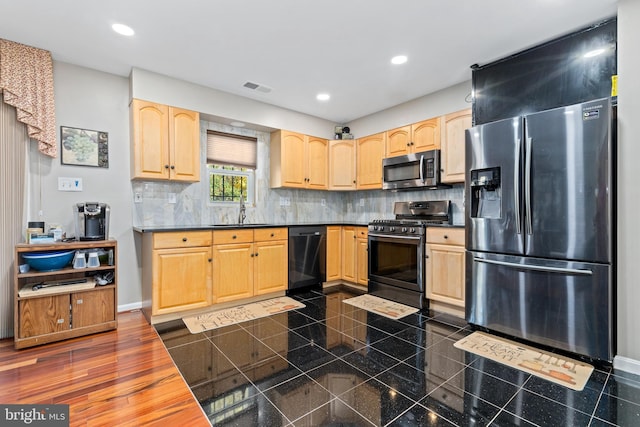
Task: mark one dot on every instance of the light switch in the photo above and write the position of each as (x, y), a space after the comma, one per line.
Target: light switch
(69, 184)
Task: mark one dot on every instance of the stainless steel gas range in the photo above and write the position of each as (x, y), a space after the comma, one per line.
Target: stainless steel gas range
(397, 250)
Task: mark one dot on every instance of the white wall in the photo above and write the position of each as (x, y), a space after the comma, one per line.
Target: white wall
(94, 100)
(178, 93)
(628, 188)
(448, 100)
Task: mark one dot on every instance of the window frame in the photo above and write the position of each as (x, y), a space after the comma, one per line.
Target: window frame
(251, 178)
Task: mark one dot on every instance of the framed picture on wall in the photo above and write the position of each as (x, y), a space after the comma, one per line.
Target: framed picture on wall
(84, 147)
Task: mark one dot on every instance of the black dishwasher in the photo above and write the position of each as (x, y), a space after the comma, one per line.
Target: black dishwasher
(307, 256)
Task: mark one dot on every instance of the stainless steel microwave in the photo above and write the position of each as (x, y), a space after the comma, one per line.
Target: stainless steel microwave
(417, 170)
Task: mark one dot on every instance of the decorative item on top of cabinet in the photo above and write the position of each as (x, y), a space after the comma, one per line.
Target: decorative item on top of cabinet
(165, 142)
(60, 311)
(369, 155)
(342, 165)
(445, 266)
(298, 161)
(452, 145)
(176, 274)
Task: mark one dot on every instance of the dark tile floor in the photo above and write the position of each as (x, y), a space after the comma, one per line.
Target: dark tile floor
(330, 364)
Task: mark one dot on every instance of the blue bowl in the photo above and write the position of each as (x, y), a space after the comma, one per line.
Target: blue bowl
(48, 261)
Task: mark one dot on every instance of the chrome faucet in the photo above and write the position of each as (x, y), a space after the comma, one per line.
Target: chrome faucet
(242, 215)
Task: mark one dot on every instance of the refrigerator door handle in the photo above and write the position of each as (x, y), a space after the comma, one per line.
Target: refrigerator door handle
(422, 168)
(527, 187)
(536, 267)
(516, 188)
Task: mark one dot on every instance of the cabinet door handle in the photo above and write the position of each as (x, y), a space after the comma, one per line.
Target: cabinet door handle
(79, 301)
(166, 166)
(446, 237)
(173, 167)
(184, 239)
(256, 253)
(210, 259)
(252, 255)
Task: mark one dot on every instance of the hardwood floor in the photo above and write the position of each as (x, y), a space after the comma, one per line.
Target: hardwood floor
(122, 377)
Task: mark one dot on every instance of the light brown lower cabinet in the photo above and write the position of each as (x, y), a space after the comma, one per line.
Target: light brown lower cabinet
(354, 251)
(445, 265)
(249, 262)
(187, 270)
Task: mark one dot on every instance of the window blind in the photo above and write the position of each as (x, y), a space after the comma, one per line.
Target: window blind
(229, 149)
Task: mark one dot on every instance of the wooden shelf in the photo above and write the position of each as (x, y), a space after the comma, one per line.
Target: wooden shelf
(68, 312)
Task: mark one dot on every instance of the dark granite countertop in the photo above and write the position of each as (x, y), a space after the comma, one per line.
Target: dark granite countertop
(164, 228)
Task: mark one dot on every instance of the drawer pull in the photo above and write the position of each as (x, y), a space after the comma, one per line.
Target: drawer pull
(184, 239)
(79, 301)
(272, 234)
(234, 236)
(60, 321)
(446, 237)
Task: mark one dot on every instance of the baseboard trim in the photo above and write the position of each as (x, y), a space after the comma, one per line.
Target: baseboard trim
(626, 364)
(129, 307)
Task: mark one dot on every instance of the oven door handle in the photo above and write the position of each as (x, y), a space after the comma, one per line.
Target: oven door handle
(387, 236)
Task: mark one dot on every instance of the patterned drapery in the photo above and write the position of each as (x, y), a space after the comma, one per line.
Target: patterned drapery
(26, 81)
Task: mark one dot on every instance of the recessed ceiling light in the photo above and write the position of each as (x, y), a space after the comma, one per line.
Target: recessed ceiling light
(123, 29)
(400, 59)
(237, 124)
(323, 97)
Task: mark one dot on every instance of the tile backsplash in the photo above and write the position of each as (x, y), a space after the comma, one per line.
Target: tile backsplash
(192, 206)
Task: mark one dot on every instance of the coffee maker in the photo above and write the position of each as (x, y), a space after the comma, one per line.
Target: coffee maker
(92, 221)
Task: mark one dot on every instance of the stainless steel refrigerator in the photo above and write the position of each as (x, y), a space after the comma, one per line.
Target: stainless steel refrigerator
(539, 214)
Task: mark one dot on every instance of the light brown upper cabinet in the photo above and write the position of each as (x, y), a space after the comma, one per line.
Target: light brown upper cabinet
(452, 155)
(299, 161)
(342, 164)
(425, 135)
(421, 136)
(398, 141)
(369, 155)
(166, 142)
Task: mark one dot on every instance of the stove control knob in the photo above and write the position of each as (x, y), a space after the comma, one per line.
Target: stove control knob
(392, 229)
(413, 230)
(404, 229)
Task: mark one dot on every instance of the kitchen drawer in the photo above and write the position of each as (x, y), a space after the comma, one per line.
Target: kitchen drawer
(181, 239)
(267, 234)
(232, 236)
(445, 235)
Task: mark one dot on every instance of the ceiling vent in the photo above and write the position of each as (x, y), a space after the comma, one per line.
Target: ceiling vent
(258, 87)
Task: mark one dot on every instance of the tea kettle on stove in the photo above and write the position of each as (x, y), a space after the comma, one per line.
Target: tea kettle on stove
(92, 221)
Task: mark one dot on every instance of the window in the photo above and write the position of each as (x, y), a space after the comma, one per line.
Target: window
(231, 162)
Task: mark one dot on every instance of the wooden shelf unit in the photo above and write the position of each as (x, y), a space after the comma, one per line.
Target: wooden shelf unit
(65, 313)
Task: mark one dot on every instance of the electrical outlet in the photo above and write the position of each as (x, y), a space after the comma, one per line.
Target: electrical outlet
(362, 202)
(323, 202)
(137, 197)
(285, 201)
(171, 198)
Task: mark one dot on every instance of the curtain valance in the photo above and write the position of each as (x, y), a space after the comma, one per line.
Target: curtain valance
(26, 81)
